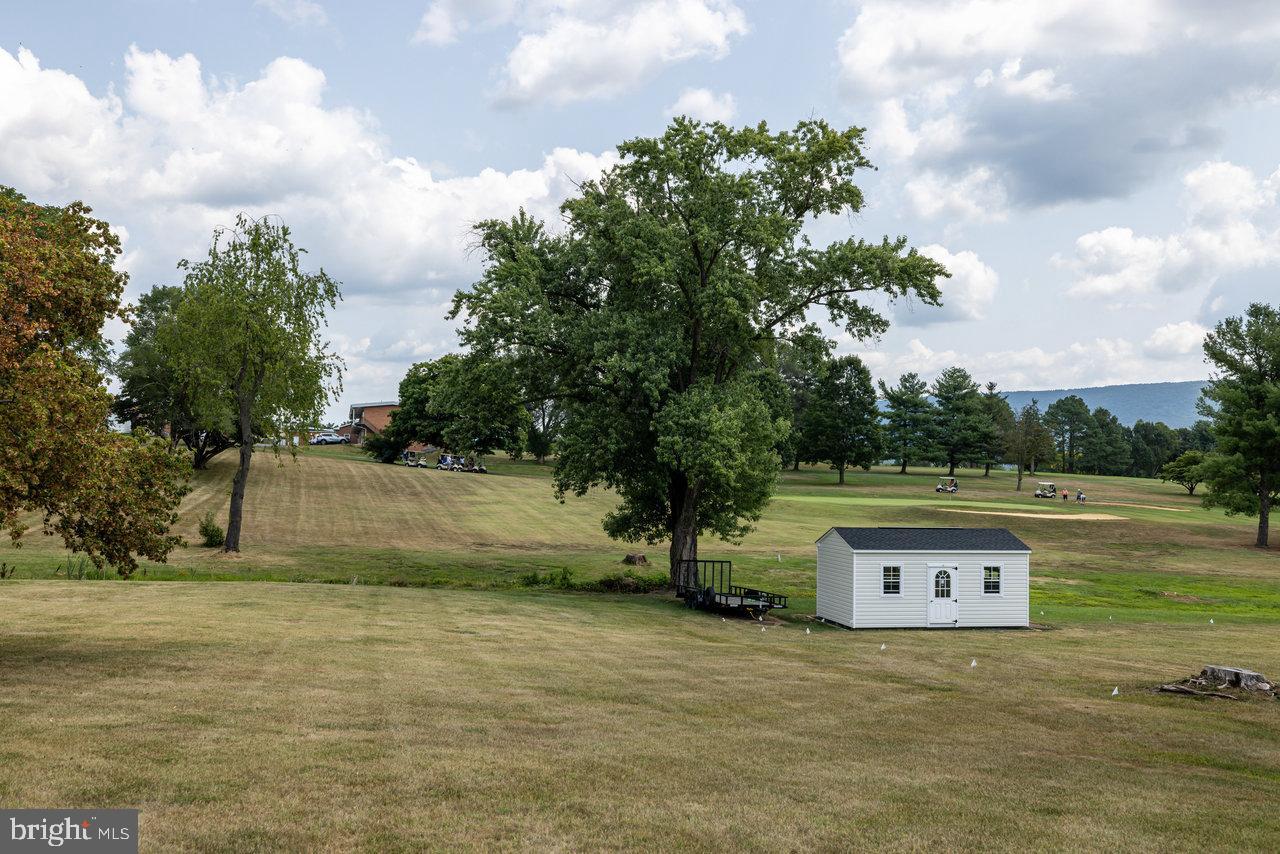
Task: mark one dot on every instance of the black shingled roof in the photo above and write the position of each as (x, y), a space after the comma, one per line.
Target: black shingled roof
(932, 539)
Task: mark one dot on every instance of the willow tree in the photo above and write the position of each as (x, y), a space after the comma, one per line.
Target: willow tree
(254, 356)
(660, 306)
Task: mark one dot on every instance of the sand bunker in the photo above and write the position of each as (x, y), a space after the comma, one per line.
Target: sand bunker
(1053, 517)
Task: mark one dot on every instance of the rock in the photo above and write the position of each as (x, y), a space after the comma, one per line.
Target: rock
(1235, 677)
(636, 560)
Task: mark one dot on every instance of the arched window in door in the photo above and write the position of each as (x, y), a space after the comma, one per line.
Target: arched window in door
(942, 584)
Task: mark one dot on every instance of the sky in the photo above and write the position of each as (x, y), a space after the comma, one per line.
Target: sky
(1100, 178)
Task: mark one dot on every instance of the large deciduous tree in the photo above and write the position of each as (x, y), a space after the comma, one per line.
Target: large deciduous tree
(1152, 444)
(659, 309)
(800, 366)
(254, 355)
(1242, 402)
(910, 421)
(1027, 440)
(1185, 471)
(154, 393)
(841, 424)
(109, 495)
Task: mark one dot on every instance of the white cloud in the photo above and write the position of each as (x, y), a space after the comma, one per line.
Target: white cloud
(1174, 340)
(1218, 192)
(894, 45)
(1058, 99)
(180, 154)
(965, 296)
(1038, 85)
(976, 196)
(704, 105)
(1096, 361)
(305, 12)
(574, 50)
(1230, 226)
(445, 20)
(578, 58)
(892, 133)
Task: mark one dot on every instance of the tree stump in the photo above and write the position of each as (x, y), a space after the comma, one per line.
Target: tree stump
(636, 560)
(1235, 677)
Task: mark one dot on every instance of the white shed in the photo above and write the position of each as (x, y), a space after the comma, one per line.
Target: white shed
(923, 578)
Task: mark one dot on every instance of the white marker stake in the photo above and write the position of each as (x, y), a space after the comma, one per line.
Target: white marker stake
(882, 647)
(1115, 692)
(1211, 621)
(806, 631)
(973, 663)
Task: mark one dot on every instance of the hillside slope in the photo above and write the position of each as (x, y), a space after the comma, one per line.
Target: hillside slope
(1172, 403)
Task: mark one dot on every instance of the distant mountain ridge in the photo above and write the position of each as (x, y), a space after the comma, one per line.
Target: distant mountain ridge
(1172, 403)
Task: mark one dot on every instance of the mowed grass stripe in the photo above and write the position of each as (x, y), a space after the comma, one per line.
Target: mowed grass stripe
(340, 718)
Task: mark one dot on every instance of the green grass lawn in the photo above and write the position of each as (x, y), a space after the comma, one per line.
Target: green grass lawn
(466, 711)
(315, 717)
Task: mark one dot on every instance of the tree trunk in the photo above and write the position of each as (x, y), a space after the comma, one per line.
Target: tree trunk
(236, 514)
(987, 473)
(796, 465)
(684, 522)
(903, 470)
(1264, 511)
(1019, 475)
(840, 468)
(952, 471)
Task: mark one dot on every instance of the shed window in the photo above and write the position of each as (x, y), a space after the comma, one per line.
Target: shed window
(892, 581)
(991, 579)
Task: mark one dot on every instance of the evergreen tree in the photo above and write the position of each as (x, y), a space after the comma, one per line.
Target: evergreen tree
(1069, 421)
(999, 421)
(961, 423)
(1106, 446)
(1243, 403)
(909, 420)
(842, 424)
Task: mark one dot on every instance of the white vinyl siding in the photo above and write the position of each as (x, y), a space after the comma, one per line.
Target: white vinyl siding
(976, 608)
(835, 580)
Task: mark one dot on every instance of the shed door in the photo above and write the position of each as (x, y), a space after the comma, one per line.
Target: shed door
(944, 597)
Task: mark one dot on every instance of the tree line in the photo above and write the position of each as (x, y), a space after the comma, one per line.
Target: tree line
(661, 341)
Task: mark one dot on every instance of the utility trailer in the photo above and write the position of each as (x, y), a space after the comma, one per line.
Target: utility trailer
(708, 584)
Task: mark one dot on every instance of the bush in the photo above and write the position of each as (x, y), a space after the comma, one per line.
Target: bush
(625, 582)
(211, 533)
(631, 582)
(385, 447)
(561, 579)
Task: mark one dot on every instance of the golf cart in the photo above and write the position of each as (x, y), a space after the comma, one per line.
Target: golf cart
(1046, 489)
(446, 462)
(947, 484)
